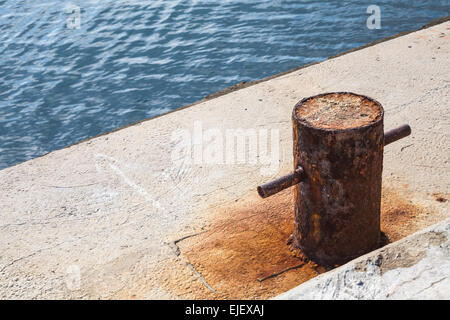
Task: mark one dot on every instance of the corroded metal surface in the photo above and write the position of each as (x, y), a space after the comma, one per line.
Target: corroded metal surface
(337, 205)
(270, 188)
(338, 158)
(397, 134)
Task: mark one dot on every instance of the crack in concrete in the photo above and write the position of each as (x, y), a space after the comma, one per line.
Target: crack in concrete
(71, 187)
(431, 285)
(36, 252)
(173, 245)
(276, 274)
(398, 286)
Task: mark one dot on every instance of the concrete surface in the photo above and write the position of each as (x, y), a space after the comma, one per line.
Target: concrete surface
(101, 219)
(416, 267)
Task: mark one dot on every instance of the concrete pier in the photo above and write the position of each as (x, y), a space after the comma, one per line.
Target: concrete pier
(117, 216)
(416, 267)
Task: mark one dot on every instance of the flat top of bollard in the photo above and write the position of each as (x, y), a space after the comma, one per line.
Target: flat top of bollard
(339, 111)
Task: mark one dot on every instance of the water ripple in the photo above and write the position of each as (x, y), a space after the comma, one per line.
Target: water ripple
(132, 60)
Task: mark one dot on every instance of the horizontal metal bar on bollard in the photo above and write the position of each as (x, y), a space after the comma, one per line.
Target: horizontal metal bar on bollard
(270, 188)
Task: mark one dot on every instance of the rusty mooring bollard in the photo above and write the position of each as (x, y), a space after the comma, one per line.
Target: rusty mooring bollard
(338, 160)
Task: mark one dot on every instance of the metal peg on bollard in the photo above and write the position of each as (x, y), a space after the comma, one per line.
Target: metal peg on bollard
(270, 188)
(397, 134)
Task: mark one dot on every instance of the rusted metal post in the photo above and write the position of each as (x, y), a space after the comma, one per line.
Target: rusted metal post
(338, 141)
(338, 159)
(270, 188)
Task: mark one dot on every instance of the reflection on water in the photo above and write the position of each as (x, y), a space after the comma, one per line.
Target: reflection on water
(66, 77)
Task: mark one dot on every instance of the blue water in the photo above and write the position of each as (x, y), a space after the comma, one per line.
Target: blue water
(132, 60)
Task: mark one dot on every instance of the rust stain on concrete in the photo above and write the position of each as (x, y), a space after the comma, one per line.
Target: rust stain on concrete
(401, 216)
(245, 254)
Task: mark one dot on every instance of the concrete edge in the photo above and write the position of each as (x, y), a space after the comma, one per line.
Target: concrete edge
(245, 84)
(365, 259)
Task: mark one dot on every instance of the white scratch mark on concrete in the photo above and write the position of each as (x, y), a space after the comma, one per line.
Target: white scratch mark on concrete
(112, 164)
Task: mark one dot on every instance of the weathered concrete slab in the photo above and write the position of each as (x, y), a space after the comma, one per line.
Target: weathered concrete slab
(416, 267)
(102, 219)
